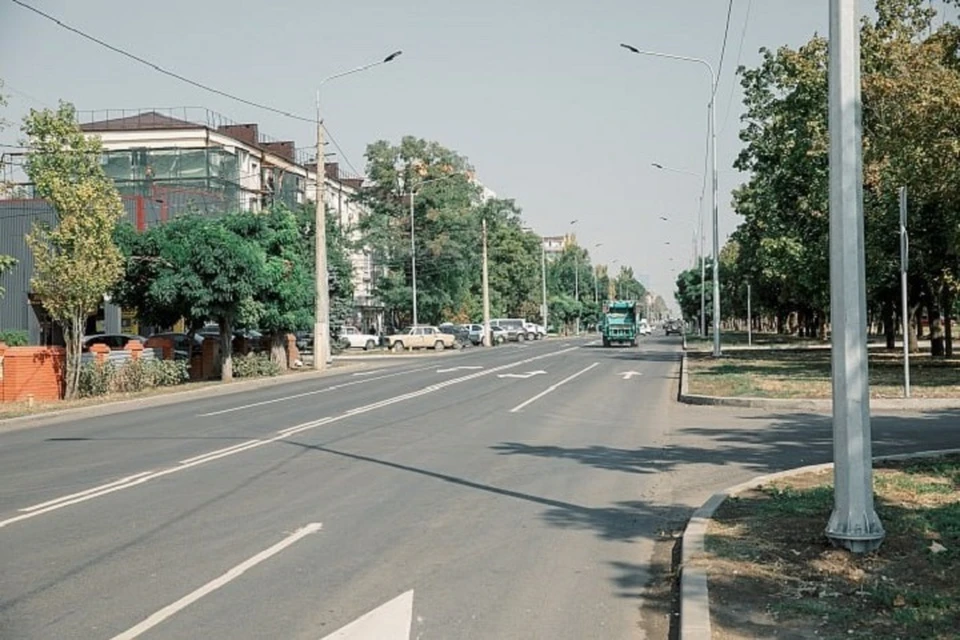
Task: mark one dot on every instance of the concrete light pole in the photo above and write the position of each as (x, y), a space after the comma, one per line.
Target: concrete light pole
(486, 290)
(854, 523)
(576, 280)
(716, 212)
(321, 321)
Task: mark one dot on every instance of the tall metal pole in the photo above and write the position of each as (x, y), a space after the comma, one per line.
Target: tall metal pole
(749, 318)
(703, 279)
(543, 283)
(413, 257)
(904, 264)
(716, 211)
(854, 523)
(716, 220)
(321, 322)
(576, 288)
(486, 290)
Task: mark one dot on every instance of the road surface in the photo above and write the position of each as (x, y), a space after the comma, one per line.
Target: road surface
(516, 492)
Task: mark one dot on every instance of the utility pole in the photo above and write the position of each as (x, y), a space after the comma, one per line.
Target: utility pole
(904, 263)
(749, 319)
(413, 257)
(576, 287)
(321, 322)
(854, 524)
(543, 282)
(486, 290)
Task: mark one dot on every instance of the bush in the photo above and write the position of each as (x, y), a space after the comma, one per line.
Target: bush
(255, 365)
(14, 338)
(95, 380)
(131, 376)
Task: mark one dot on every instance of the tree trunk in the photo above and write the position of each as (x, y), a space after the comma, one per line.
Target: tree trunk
(889, 323)
(226, 349)
(948, 322)
(278, 349)
(782, 322)
(937, 349)
(73, 341)
(914, 334)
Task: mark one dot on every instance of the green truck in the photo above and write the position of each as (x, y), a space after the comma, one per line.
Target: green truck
(620, 323)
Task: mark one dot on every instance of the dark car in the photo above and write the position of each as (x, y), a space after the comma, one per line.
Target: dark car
(115, 341)
(460, 333)
(183, 346)
(673, 327)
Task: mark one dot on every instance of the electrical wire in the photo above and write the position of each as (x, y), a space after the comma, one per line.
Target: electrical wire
(177, 76)
(723, 47)
(743, 35)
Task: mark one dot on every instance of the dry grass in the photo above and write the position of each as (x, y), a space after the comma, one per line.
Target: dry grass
(772, 572)
(806, 374)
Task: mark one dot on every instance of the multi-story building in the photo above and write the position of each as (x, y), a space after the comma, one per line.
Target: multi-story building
(553, 246)
(172, 160)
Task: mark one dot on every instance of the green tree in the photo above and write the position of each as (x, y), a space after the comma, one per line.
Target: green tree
(196, 268)
(6, 262)
(76, 262)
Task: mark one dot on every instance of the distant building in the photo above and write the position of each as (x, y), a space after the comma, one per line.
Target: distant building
(164, 162)
(553, 246)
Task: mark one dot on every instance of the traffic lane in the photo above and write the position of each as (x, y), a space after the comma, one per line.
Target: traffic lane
(252, 491)
(53, 468)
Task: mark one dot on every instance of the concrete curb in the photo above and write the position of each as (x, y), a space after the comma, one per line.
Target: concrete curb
(173, 397)
(804, 404)
(694, 592)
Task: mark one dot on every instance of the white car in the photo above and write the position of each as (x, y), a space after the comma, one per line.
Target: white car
(353, 338)
(535, 330)
(644, 328)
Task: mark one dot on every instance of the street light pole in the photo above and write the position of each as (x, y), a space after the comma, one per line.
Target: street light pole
(716, 211)
(543, 283)
(321, 320)
(854, 524)
(413, 239)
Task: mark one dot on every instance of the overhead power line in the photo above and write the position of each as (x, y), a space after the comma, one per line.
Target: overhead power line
(733, 86)
(723, 47)
(182, 78)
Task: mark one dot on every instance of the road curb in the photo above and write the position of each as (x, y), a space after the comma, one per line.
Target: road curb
(803, 404)
(109, 407)
(694, 592)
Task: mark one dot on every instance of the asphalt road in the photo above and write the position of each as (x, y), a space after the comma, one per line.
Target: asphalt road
(517, 492)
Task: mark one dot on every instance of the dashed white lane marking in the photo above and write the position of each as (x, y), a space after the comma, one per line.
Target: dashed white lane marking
(213, 585)
(552, 388)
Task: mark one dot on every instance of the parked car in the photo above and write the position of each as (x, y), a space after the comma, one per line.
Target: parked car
(252, 336)
(183, 346)
(474, 333)
(515, 328)
(420, 337)
(644, 328)
(353, 338)
(113, 340)
(498, 335)
(537, 331)
(459, 332)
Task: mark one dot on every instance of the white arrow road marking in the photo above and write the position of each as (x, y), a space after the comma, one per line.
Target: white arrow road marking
(629, 374)
(468, 368)
(390, 621)
(522, 376)
(216, 583)
(552, 388)
(148, 476)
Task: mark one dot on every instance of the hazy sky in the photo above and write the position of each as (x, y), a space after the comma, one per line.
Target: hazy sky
(537, 94)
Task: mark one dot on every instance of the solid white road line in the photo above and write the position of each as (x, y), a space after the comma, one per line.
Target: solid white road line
(215, 584)
(311, 393)
(552, 388)
(147, 476)
(389, 621)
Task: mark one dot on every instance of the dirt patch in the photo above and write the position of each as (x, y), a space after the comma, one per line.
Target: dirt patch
(786, 373)
(773, 573)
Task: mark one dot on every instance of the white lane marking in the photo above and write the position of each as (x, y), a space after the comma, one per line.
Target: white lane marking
(85, 492)
(203, 456)
(552, 388)
(629, 374)
(102, 490)
(213, 585)
(390, 621)
(522, 376)
(469, 368)
(310, 393)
